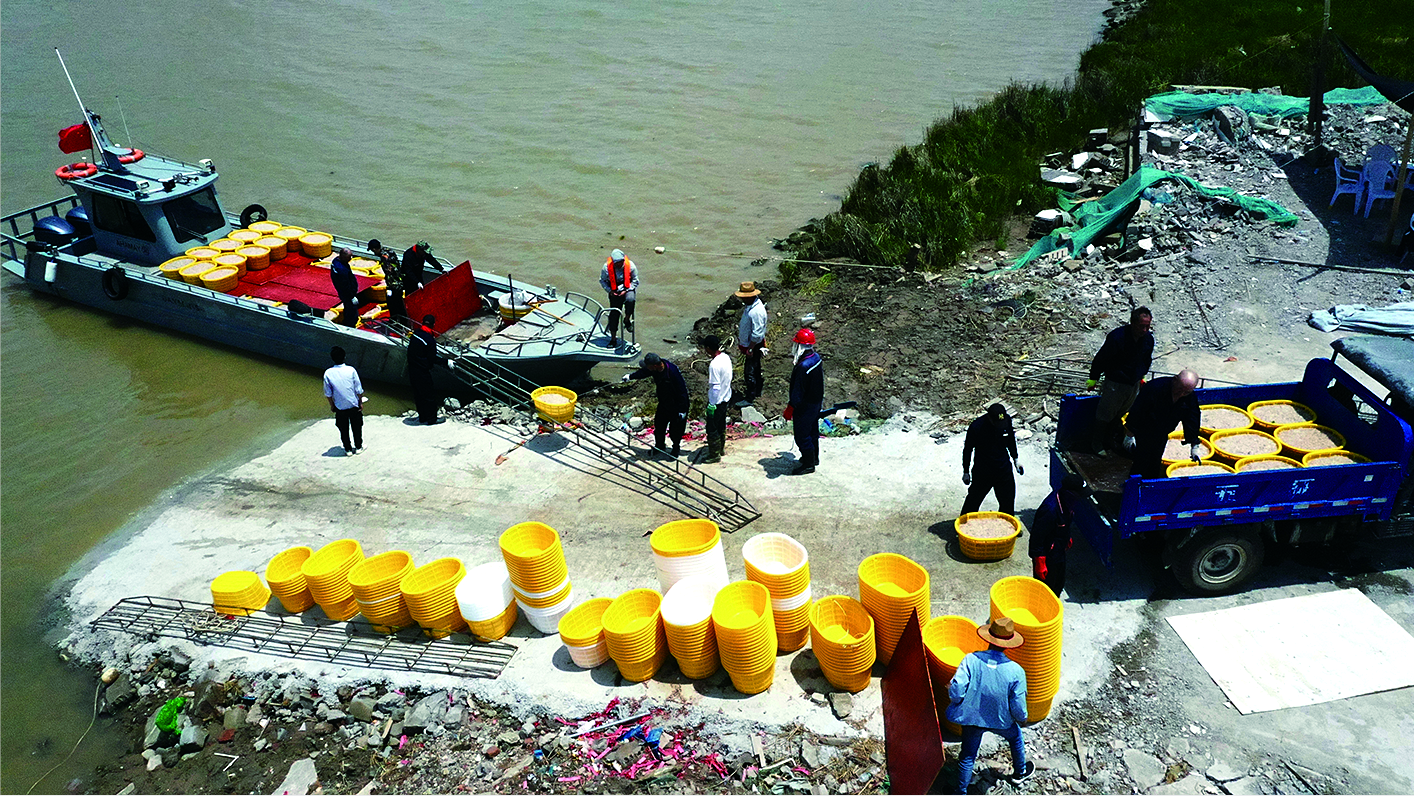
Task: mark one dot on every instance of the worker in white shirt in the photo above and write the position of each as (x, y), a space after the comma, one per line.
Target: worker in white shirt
(750, 339)
(719, 394)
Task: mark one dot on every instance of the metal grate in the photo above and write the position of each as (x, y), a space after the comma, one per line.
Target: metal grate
(307, 638)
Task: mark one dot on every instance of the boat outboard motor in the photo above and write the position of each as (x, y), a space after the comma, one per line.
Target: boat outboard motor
(54, 231)
(78, 219)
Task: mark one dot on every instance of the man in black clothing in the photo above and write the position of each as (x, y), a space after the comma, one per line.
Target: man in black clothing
(346, 285)
(671, 415)
(1162, 404)
(994, 440)
(413, 260)
(422, 357)
(1051, 532)
(1123, 361)
(807, 395)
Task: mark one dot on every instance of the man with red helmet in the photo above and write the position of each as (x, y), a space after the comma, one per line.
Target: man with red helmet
(807, 394)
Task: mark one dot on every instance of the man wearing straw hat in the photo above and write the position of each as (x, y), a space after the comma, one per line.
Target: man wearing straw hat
(988, 694)
(751, 340)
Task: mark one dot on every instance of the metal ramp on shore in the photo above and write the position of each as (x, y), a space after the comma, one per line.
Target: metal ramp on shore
(648, 471)
(306, 638)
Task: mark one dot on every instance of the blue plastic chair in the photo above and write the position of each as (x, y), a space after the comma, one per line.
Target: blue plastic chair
(1347, 180)
(1378, 177)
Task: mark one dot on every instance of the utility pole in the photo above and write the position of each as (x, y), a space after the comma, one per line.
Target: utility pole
(1318, 91)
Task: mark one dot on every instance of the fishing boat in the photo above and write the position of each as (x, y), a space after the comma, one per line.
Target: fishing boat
(147, 237)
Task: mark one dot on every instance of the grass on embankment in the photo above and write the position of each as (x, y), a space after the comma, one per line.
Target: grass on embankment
(977, 168)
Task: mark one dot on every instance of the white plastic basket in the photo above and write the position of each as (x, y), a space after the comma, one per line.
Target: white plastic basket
(689, 601)
(590, 656)
(791, 603)
(712, 563)
(485, 592)
(540, 595)
(775, 553)
(547, 620)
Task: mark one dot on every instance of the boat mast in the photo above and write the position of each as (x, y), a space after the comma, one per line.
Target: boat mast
(97, 144)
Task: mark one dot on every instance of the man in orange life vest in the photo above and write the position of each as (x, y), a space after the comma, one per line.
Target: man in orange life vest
(620, 280)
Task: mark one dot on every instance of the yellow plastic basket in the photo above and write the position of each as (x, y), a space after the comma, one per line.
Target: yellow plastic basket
(291, 236)
(1285, 433)
(225, 245)
(554, 412)
(202, 253)
(191, 274)
(332, 561)
(1182, 455)
(380, 576)
(683, 538)
(891, 575)
(245, 236)
(1223, 443)
(277, 246)
(316, 244)
(172, 269)
(584, 624)
(266, 227)
(434, 578)
(256, 256)
(1210, 412)
(497, 627)
(778, 562)
(741, 605)
(1252, 463)
(632, 616)
(986, 549)
(1279, 413)
(949, 638)
(1187, 469)
(1332, 457)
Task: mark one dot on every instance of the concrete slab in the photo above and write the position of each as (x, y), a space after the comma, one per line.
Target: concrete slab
(435, 491)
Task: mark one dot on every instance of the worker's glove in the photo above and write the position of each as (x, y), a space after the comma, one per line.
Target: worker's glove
(1194, 451)
(1091, 384)
(966, 478)
(789, 413)
(711, 409)
(1019, 469)
(682, 415)
(1039, 568)
(1129, 442)
(745, 350)
(625, 378)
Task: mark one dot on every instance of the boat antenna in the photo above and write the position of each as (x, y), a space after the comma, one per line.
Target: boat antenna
(93, 134)
(126, 131)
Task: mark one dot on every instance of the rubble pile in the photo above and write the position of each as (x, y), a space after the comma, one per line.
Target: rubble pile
(224, 730)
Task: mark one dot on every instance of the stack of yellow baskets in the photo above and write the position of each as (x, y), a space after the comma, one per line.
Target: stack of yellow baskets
(582, 631)
(430, 592)
(238, 593)
(687, 620)
(276, 246)
(947, 639)
(266, 227)
(192, 272)
(291, 236)
(172, 269)
(536, 562)
(285, 575)
(327, 573)
(1038, 616)
(487, 601)
(892, 587)
(746, 635)
(842, 637)
(376, 584)
(256, 256)
(688, 548)
(633, 628)
(782, 565)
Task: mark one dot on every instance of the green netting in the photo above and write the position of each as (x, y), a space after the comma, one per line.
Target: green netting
(1094, 217)
(1181, 103)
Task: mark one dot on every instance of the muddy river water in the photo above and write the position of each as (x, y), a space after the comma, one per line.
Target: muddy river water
(529, 138)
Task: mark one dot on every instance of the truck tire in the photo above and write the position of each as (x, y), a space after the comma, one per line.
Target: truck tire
(1219, 560)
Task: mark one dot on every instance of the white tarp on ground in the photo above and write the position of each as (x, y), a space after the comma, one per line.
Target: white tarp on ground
(1396, 319)
(1300, 651)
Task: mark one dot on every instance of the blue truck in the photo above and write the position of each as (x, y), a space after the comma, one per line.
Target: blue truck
(1217, 527)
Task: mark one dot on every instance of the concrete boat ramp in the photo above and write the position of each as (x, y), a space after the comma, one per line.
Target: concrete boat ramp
(435, 491)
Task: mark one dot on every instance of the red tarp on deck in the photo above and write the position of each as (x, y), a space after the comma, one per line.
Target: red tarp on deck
(292, 278)
(451, 297)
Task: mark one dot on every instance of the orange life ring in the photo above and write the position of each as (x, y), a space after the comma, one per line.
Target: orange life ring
(75, 171)
(133, 156)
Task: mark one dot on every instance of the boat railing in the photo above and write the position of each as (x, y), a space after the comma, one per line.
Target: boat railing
(600, 313)
(13, 239)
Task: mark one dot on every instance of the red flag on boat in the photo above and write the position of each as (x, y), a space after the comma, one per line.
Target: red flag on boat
(73, 139)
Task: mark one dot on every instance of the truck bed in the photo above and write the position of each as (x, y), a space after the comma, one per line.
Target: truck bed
(1127, 505)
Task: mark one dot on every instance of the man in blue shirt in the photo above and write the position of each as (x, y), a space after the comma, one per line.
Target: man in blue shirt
(1123, 361)
(988, 694)
(345, 393)
(671, 415)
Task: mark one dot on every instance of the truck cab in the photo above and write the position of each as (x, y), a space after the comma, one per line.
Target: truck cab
(1216, 528)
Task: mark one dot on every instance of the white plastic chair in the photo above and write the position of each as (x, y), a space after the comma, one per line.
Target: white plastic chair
(1378, 177)
(1347, 180)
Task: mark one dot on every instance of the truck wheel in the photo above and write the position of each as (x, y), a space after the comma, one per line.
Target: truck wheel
(1219, 560)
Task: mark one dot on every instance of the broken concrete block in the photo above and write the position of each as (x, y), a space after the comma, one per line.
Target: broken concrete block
(1080, 160)
(1097, 138)
(1162, 142)
(301, 779)
(1059, 178)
